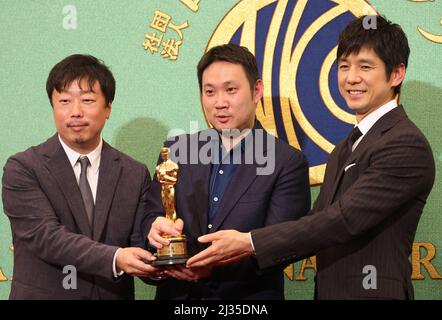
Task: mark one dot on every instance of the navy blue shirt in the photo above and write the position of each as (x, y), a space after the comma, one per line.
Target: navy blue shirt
(222, 170)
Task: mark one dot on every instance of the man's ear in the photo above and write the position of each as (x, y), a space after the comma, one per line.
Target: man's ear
(258, 91)
(108, 109)
(397, 75)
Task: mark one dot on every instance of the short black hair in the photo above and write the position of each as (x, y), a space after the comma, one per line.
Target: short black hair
(79, 67)
(387, 39)
(230, 53)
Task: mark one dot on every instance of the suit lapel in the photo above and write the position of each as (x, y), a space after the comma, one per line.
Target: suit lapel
(59, 166)
(384, 124)
(373, 135)
(200, 176)
(244, 176)
(109, 174)
(369, 139)
(332, 166)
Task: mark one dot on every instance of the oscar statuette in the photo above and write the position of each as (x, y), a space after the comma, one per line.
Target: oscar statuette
(167, 175)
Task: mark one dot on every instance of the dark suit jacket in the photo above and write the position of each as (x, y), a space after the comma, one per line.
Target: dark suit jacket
(250, 201)
(50, 228)
(366, 216)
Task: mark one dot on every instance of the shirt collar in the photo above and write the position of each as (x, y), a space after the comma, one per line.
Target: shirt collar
(256, 125)
(94, 156)
(365, 124)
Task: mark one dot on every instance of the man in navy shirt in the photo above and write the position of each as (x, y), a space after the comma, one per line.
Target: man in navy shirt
(232, 176)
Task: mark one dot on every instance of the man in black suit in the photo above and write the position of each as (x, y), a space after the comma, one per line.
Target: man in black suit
(233, 176)
(364, 221)
(73, 200)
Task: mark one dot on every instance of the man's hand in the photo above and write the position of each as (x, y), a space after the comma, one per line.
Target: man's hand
(131, 261)
(180, 272)
(161, 226)
(228, 246)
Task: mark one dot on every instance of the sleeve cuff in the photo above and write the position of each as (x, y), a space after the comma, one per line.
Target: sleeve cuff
(114, 267)
(251, 243)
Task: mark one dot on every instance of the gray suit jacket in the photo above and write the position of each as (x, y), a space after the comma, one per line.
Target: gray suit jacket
(364, 216)
(50, 228)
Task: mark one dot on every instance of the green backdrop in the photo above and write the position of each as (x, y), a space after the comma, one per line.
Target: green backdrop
(155, 94)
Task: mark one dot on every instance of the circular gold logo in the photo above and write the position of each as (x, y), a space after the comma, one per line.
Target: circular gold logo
(295, 43)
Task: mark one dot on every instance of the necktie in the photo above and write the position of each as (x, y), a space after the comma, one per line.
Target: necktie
(85, 189)
(354, 135)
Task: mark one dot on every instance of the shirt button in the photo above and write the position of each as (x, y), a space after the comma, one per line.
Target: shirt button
(209, 226)
(215, 199)
(221, 172)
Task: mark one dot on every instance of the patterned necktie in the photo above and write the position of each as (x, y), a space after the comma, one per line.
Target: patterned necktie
(85, 189)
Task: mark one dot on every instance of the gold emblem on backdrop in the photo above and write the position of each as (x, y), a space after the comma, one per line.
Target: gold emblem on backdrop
(437, 38)
(244, 15)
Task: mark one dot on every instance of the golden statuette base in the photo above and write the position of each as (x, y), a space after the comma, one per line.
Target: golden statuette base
(174, 253)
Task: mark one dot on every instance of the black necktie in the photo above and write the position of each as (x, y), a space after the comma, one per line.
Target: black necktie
(85, 190)
(354, 135)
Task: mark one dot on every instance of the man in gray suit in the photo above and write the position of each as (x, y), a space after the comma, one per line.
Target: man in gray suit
(73, 200)
(375, 187)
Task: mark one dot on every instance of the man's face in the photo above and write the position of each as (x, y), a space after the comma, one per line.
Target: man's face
(80, 114)
(226, 96)
(363, 82)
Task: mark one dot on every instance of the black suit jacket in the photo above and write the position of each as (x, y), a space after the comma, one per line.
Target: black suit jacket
(50, 229)
(364, 216)
(250, 201)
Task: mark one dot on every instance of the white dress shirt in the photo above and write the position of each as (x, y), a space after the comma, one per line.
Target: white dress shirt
(92, 175)
(366, 123)
(94, 167)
